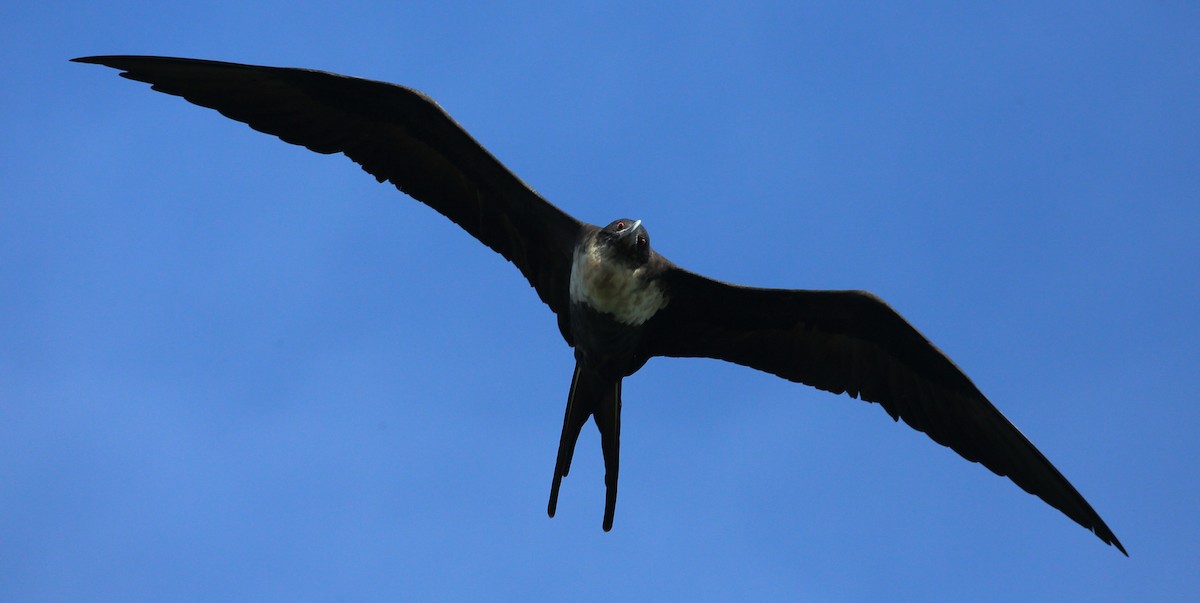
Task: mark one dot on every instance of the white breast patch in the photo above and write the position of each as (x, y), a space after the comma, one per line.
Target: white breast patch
(613, 289)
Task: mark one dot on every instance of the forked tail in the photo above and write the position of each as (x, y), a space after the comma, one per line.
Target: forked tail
(593, 396)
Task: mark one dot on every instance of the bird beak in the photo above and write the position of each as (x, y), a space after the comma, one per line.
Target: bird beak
(632, 228)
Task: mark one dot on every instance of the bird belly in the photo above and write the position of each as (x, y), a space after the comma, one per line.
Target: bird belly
(603, 344)
(611, 288)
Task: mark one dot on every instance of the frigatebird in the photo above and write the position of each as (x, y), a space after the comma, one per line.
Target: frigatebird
(618, 301)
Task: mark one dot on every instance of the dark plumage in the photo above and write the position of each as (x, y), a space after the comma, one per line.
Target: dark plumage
(618, 302)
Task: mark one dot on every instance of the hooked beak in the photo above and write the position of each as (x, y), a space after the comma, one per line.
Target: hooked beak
(632, 228)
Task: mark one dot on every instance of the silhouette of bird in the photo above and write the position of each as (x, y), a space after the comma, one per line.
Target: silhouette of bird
(617, 300)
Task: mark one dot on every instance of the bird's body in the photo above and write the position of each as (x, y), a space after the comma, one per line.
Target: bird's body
(615, 289)
(618, 302)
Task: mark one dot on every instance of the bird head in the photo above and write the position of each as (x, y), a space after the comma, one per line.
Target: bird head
(627, 240)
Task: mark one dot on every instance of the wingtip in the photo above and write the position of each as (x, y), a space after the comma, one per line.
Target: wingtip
(114, 61)
(1102, 531)
(99, 59)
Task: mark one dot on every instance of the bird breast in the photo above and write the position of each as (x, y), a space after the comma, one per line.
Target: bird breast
(607, 286)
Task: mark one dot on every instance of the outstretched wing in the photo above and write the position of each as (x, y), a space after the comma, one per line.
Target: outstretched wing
(853, 342)
(396, 134)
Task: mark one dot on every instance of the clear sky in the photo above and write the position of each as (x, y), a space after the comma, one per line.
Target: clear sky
(232, 369)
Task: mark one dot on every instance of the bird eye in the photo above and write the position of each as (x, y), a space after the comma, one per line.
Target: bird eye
(620, 226)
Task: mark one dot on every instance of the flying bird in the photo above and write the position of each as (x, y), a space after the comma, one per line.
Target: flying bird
(619, 302)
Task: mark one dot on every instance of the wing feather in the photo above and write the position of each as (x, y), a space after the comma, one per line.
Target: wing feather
(852, 342)
(397, 135)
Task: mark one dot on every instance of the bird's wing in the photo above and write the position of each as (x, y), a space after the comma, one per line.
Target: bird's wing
(396, 134)
(853, 342)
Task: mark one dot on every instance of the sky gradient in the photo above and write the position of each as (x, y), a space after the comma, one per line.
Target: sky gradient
(233, 369)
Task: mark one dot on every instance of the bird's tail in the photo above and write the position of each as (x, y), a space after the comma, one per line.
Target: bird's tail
(591, 395)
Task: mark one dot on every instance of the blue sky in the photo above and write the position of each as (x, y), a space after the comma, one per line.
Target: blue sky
(232, 369)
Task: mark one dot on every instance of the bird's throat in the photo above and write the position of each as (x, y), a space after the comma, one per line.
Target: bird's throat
(607, 285)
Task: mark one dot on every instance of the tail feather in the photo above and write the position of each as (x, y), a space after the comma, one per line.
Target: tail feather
(591, 396)
(608, 419)
(576, 415)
